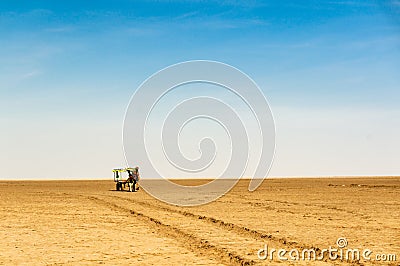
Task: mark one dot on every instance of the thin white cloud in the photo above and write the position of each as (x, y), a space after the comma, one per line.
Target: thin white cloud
(61, 29)
(31, 74)
(396, 3)
(28, 14)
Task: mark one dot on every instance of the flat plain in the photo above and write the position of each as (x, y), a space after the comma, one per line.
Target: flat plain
(88, 222)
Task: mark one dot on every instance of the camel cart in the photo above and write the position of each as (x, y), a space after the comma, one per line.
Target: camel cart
(120, 178)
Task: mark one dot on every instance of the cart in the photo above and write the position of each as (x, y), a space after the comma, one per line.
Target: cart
(121, 181)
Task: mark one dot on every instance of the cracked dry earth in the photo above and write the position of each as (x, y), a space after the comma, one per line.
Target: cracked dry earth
(87, 222)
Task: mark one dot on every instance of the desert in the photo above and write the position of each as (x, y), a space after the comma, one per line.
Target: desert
(89, 222)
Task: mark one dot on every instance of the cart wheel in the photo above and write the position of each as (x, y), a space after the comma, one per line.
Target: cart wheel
(117, 186)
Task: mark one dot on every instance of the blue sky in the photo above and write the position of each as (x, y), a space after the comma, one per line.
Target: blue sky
(328, 68)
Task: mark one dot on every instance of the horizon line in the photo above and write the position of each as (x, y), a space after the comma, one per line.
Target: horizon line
(203, 178)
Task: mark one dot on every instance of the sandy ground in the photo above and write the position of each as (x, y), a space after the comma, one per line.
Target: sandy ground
(88, 222)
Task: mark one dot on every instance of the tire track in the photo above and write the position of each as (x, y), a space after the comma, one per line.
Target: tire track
(205, 244)
(231, 227)
(199, 246)
(245, 231)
